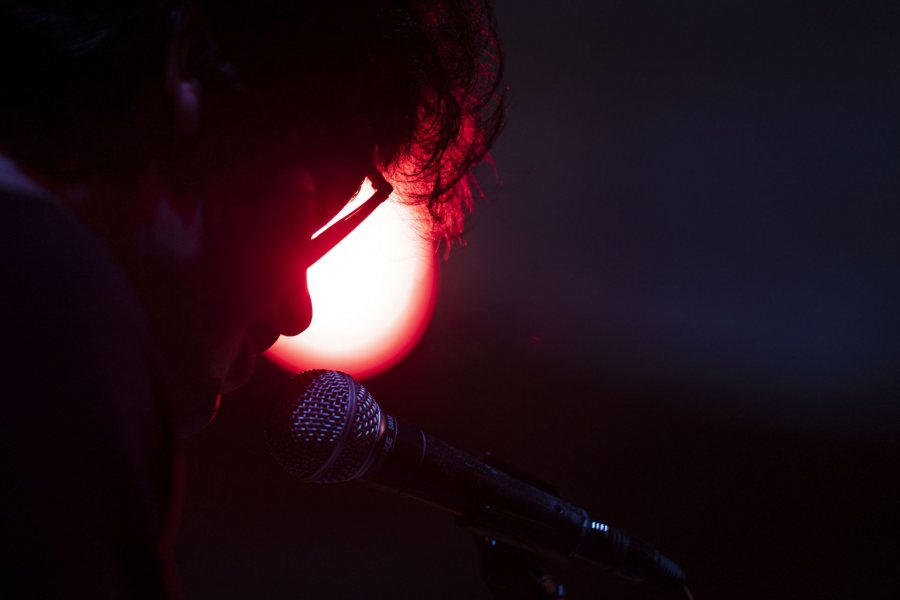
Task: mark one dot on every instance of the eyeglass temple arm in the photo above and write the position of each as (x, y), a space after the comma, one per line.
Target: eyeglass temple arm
(334, 234)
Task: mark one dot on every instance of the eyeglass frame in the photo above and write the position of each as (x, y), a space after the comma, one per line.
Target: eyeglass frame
(335, 233)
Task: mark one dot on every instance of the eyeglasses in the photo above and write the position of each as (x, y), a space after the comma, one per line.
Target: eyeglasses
(331, 235)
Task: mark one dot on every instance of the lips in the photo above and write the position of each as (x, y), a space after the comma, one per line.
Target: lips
(288, 319)
(259, 337)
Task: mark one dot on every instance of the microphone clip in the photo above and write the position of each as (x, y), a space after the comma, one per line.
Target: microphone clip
(512, 569)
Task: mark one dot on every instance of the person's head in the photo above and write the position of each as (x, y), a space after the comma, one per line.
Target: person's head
(211, 139)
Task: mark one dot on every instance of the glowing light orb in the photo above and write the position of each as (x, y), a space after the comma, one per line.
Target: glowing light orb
(372, 296)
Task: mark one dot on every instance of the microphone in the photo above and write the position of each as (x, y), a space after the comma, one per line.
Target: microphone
(326, 428)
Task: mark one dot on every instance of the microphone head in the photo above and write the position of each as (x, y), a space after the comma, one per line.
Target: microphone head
(325, 427)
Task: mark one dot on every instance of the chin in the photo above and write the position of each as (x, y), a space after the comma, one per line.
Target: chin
(241, 368)
(196, 409)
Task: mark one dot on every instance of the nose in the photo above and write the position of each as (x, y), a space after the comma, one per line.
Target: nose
(295, 308)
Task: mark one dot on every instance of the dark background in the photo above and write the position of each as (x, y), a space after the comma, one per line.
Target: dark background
(679, 307)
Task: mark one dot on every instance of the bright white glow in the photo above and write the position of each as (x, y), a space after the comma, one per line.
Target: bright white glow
(372, 296)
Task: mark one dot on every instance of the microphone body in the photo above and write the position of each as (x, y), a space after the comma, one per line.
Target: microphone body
(368, 445)
(496, 504)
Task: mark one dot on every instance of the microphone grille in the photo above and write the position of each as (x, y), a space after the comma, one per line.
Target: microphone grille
(324, 427)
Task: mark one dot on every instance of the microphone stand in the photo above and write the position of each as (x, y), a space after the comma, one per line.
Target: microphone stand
(511, 573)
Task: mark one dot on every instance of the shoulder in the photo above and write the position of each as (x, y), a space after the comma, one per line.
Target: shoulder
(82, 435)
(70, 317)
(71, 322)
(57, 275)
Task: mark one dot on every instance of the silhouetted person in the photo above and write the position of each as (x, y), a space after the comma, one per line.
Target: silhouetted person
(164, 166)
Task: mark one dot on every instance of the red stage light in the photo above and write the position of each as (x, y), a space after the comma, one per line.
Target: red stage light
(372, 296)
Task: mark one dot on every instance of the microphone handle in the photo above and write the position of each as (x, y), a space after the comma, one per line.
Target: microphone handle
(495, 504)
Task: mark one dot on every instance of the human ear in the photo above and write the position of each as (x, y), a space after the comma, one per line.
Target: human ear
(187, 106)
(183, 88)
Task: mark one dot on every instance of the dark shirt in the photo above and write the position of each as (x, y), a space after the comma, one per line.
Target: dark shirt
(85, 454)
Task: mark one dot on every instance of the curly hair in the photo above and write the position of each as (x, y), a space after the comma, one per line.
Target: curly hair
(416, 85)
